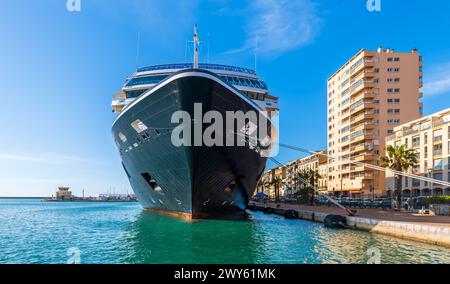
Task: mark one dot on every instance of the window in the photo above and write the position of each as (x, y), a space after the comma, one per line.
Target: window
(390, 59)
(438, 164)
(345, 129)
(391, 111)
(396, 80)
(437, 149)
(139, 126)
(397, 59)
(393, 101)
(438, 176)
(393, 121)
(416, 141)
(415, 182)
(437, 135)
(122, 137)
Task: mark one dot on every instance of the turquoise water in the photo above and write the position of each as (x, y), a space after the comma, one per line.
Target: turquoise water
(32, 231)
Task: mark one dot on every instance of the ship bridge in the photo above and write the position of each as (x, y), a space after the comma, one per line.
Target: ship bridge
(243, 79)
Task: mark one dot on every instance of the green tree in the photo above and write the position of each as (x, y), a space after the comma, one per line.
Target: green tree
(277, 182)
(399, 159)
(309, 179)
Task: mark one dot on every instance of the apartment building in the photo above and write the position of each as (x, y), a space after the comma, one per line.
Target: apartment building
(316, 162)
(371, 94)
(430, 138)
(288, 174)
(267, 182)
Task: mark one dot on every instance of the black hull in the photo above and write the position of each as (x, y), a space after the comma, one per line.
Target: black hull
(199, 181)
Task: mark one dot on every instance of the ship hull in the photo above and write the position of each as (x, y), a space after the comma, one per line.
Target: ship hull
(191, 181)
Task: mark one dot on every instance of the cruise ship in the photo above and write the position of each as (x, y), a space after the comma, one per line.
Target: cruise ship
(192, 181)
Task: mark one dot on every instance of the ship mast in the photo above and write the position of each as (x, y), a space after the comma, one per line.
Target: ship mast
(196, 44)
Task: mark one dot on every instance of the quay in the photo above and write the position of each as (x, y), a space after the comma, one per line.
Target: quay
(422, 228)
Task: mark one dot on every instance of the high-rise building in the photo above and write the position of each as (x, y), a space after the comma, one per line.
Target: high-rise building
(429, 137)
(367, 97)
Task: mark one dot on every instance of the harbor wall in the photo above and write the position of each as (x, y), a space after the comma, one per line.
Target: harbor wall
(436, 235)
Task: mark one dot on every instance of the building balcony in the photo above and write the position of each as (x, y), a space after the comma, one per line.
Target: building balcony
(363, 157)
(361, 117)
(361, 126)
(357, 168)
(366, 94)
(365, 105)
(361, 138)
(359, 148)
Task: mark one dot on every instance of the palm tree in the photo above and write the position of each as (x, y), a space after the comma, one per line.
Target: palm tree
(309, 178)
(277, 181)
(399, 159)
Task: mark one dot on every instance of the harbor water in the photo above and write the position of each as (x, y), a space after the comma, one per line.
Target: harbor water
(33, 231)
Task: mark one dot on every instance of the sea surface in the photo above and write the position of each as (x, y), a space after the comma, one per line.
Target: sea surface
(33, 231)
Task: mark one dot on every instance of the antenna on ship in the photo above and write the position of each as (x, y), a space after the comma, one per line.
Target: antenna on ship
(196, 44)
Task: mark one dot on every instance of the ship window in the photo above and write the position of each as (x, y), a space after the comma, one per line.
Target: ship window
(146, 80)
(145, 135)
(139, 126)
(122, 137)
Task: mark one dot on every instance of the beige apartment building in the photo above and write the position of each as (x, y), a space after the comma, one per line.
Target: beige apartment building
(288, 175)
(267, 182)
(430, 138)
(371, 94)
(316, 162)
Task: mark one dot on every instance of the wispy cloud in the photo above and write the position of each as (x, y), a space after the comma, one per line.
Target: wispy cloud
(31, 180)
(44, 158)
(437, 82)
(280, 26)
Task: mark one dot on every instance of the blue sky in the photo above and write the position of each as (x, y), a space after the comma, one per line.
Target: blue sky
(58, 70)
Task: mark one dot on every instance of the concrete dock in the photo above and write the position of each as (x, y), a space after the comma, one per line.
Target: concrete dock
(428, 229)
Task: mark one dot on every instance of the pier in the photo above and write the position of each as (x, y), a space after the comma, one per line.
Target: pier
(422, 228)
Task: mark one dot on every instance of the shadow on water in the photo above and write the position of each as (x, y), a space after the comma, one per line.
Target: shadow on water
(156, 238)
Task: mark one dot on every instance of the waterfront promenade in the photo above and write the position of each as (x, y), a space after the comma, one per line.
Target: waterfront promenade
(387, 215)
(405, 225)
